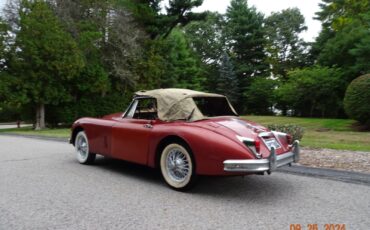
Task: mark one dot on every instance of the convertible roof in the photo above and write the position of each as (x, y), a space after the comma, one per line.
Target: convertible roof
(176, 104)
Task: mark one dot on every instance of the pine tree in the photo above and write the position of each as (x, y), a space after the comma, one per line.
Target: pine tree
(3, 80)
(46, 60)
(245, 36)
(227, 82)
(150, 16)
(182, 65)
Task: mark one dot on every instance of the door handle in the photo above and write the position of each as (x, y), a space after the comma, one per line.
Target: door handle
(148, 126)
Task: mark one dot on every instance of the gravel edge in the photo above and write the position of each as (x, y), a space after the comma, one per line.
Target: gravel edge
(331, 174)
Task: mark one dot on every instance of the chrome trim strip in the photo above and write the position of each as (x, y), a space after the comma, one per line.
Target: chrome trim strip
(264, 134)
(278, 133)
(242, 139)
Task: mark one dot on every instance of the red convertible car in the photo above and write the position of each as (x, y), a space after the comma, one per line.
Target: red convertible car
(185, 133)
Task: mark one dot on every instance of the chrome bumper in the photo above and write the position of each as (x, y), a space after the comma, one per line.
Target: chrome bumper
(264, 165)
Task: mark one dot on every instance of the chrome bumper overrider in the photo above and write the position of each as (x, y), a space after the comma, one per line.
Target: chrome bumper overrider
(264, 165)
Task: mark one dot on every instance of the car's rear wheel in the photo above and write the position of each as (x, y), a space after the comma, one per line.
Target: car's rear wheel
(178, 167)
(82, 149)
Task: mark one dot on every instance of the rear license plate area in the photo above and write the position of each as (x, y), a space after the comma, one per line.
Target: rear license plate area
(272, 143)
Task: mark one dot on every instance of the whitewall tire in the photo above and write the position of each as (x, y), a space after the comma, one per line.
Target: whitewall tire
(82, 149)
(177, 167)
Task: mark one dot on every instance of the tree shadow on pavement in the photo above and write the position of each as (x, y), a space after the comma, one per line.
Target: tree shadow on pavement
(252, 187)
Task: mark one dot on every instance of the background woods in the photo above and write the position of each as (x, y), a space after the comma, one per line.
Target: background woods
(60, 60)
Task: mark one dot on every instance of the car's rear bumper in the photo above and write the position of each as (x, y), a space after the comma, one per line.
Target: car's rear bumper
(263, 165)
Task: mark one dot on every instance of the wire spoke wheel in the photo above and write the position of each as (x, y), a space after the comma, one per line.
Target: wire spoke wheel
(177, 166)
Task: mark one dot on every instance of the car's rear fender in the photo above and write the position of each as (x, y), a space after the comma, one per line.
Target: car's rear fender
(209, 149)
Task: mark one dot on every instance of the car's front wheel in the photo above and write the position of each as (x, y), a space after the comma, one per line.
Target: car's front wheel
(82, 149)
(177, 167)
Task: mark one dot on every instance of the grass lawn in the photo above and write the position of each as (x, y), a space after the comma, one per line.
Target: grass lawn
(63, 133)
(319, 133)
(323, 133)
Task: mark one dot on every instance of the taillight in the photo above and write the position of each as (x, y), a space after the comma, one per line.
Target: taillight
(289, 139)
(257, 144)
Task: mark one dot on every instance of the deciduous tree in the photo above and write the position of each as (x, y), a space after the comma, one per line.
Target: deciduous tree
(313, 91)
(207, 40)
(260, 96)
(345, 30)
(3, 37)
(207, 37)
(285, 48)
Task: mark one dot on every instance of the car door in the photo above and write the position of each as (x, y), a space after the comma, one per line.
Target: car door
(131, 135)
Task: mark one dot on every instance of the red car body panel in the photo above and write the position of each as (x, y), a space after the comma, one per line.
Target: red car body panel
(211, 141)
(130, 140)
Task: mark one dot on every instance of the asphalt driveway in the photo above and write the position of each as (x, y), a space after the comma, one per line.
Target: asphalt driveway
(43, 187)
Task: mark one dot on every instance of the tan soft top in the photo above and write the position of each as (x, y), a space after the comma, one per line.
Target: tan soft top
(178, 104)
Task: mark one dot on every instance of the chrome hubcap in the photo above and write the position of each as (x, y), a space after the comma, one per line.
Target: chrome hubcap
(177, 165)
(82, 146)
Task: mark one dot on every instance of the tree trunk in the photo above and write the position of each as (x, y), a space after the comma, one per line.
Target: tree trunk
(40, 117)
(284, 110)
(312, 109)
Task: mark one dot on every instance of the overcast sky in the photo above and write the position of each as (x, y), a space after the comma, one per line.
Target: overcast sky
(307, 8)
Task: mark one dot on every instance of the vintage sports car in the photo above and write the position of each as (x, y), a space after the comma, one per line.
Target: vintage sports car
(185, 133)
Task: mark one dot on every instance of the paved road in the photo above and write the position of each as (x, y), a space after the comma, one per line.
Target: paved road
(43, 187)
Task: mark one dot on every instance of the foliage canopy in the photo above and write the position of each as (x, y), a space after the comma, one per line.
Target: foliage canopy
(70, 56)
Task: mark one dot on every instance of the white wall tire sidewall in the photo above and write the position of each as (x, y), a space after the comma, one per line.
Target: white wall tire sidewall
(82, 159)
(165, 173)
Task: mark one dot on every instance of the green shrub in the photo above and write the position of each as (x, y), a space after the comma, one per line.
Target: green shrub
(357, 99)
(294, 130)
(95, 106)
(11, 114)
(8, 114)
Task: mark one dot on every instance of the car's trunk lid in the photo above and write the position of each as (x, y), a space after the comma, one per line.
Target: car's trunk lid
(233, 126)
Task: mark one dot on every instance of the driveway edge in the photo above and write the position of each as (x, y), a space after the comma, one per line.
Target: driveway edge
(58, 139)
(331, 174)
